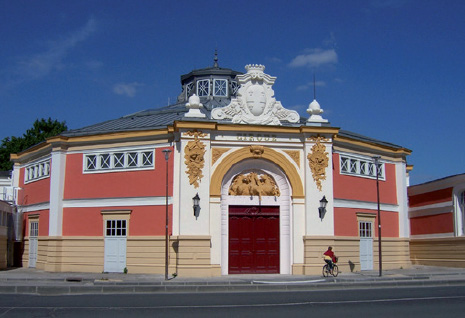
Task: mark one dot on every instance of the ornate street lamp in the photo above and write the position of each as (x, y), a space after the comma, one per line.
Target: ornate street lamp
(196, 202)
(376, 160)
(322, 208)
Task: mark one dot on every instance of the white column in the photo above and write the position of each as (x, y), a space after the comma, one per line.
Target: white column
(57, 185)
(402, 201)
(188, 223)
(314, 225)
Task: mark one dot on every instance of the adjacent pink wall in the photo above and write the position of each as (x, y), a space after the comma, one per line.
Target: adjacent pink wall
(144, 220)
(43, 222)
(33, 192)
(432, 197)
(432, 224)
(346, 224)
(79, 185)
(364, 189)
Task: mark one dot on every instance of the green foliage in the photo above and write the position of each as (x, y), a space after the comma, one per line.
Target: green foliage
(40, 131)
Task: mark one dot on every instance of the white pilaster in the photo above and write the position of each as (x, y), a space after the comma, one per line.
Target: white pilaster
(313, 224)
(188, 223)
(57, 184)
(402, 200)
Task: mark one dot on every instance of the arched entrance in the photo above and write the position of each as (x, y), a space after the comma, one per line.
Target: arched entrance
(255, 231)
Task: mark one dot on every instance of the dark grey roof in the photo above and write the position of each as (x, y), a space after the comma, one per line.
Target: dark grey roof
(219, 71)
(147, 119)
(164, 116)
(143, 120)
(356, 136)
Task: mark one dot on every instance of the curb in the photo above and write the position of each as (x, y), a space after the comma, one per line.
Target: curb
(211, 287)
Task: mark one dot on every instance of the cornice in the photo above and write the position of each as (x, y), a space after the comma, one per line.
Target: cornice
(371, 145)
(59, 143)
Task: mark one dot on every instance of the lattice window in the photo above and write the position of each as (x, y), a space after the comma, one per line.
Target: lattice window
(203, 87)
(132, 159)
(353, 166)
(234, 87)
(345, 164)
(189, 89)
(91, 162)
(105, 161)
(147, 158)
(34, 229)
(365, 229)
(119, 160)
(220, 87)
(364, 167)
(359, 167)
(37, 171)
(116, 228)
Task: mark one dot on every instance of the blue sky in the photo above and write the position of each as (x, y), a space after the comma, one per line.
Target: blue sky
(389, 69)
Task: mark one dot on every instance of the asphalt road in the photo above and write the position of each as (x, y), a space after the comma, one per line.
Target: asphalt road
(390, 302)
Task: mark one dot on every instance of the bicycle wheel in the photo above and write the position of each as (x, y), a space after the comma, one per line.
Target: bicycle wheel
(325, 270)
(335, 270)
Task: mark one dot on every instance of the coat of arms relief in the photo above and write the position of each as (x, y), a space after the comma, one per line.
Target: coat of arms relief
(255, 102)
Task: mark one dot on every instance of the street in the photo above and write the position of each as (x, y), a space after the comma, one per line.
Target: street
(389, 302)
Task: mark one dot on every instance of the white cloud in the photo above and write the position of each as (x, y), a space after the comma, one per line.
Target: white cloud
(309, 85)
(41, 64)
(274, 59)
(315, 58)
(127, 89)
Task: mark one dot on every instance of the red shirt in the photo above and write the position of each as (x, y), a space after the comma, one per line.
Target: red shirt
(330, 254)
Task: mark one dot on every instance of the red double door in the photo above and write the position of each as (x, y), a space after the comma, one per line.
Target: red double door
(253, 239)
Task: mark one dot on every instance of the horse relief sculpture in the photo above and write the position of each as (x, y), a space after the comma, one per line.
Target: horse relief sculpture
(253, 184)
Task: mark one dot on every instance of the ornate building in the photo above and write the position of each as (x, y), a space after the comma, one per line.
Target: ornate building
(94, 199)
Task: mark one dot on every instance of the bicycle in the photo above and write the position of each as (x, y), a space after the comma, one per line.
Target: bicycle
(327, 271)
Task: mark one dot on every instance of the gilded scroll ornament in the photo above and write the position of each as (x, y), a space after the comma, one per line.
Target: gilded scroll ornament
(318, 160)
(254, 184)
(194, 155)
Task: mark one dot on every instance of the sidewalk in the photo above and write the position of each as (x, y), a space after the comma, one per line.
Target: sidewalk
(33, 281)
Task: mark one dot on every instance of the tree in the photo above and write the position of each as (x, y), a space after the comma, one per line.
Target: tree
(40, 131)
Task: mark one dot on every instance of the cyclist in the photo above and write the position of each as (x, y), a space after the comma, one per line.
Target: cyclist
(330, 258)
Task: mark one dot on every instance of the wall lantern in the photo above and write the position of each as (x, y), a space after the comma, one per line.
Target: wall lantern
(196, 201)
(322, 208)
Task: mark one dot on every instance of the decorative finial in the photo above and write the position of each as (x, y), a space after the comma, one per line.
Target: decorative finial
(194, 106)
(215, 60)
(315, 111)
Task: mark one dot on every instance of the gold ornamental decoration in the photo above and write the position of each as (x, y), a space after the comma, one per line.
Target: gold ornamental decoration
(254, 184)
(295, 155)
(318, 160)
(194, 155)
(257, 151)
(217, 153)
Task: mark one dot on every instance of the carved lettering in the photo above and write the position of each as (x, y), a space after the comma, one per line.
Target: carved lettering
(257, 137)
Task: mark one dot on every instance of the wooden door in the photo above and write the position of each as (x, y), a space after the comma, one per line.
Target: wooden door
(253, 239)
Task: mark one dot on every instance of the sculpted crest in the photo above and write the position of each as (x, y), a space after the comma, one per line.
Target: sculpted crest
(255, 102)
